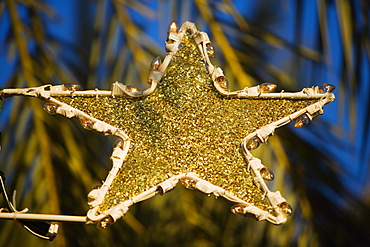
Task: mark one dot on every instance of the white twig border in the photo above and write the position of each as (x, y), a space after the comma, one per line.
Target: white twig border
(190, 180)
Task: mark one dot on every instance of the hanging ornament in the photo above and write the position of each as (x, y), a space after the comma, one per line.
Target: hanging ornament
(186, 127)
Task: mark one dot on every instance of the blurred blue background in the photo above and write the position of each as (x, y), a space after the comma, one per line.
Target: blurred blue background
(294, 44)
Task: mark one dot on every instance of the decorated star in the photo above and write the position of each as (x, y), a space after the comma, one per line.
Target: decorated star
(186, 127)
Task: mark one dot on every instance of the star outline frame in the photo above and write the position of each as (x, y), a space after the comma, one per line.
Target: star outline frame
(190, 180)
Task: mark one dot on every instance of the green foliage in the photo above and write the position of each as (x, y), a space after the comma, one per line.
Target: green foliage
(54, 163)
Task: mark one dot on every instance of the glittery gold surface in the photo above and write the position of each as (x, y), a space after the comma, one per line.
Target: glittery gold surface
(185, 126)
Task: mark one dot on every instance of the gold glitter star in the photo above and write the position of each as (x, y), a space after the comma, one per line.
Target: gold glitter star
(189, 128)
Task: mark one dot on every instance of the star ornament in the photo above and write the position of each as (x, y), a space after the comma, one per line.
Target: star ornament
(186, 127)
